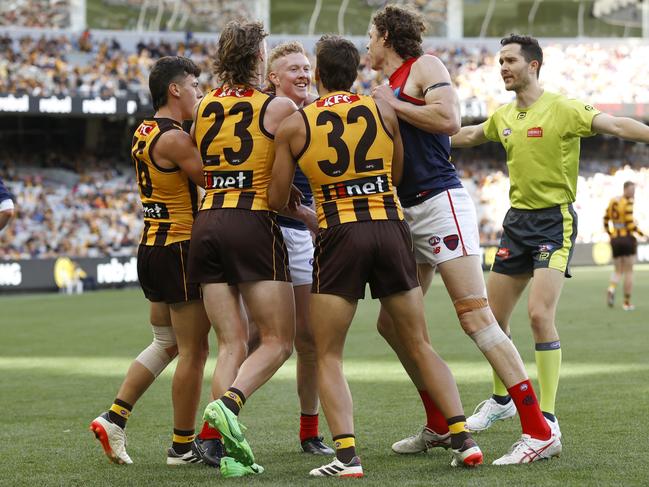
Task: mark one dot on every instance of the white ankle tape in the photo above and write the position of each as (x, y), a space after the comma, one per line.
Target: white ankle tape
(489, 337)
(161, 352)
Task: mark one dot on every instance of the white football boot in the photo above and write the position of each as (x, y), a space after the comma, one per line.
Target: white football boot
(528, 450)
(112, 439)
(488, 412)
(424, 440)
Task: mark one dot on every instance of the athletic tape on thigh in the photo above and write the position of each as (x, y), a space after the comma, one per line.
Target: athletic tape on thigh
(470, 303)
(161, 352)
(489, 337)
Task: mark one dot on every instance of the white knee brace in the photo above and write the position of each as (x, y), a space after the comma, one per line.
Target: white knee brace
(489, 337)
(161, 352)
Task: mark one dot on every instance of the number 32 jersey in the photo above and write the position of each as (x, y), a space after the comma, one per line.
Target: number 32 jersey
(237, 151)
(347, 158)
(169, 198)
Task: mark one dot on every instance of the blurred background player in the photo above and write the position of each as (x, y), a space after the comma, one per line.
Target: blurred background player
(362, 239)
(289, 75)
(168, 168)
(6, 206)
(442, 219)
(541, 133)
(622, 229)
(237, 246)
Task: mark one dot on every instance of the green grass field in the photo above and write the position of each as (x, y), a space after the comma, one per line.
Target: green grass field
(63, 359)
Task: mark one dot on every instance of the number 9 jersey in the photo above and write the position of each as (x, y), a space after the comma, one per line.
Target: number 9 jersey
(169, 198)
(237, 151)
(347, 158)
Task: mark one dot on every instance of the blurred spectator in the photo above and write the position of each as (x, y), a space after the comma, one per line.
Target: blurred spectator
(35, 13)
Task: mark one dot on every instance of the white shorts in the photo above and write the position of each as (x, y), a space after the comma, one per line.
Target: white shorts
(444, 227)
(300, 255)
(6, 205)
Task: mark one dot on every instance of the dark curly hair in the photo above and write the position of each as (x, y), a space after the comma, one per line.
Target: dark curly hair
(337, 60)
(530, 48)
(402, 28)
(237, 54)
(167, 70)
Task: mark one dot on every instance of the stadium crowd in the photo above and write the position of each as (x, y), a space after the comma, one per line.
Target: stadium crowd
(35, 13)
(93, 210)
(611, 73)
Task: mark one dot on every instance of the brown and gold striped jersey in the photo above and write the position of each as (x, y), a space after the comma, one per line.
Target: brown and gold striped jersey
(618, 219)
(169, 198)
(347, 158)
(237, 151)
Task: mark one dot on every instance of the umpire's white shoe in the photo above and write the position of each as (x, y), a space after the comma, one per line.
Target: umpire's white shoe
(339, 469)
(424, 440)
(528, 450)
(112, 439)
(488, 412)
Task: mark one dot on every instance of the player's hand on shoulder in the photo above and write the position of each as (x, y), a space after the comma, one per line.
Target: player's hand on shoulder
(383, 93)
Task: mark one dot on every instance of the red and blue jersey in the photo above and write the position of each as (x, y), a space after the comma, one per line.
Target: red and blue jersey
(427, 168)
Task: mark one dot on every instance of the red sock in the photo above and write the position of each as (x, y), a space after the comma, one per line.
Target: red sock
(435, 420)
(209, 433)
(532, 420)
(308, 426)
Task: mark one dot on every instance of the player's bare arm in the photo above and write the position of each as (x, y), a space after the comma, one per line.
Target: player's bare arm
(278, 110)
(290, 135)
(391, 121)
(431, 82)
(469, 136)
(175, 148)
(5, 216)
(623, 127)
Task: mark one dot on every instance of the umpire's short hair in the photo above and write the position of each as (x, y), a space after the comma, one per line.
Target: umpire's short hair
(530, 48)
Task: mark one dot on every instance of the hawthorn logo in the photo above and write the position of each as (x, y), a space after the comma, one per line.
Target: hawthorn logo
(535, 132)
(451, 241)
(236, 92)
(336, 100)
(503, 253)
(146, 128)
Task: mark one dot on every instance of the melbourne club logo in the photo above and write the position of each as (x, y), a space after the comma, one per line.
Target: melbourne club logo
(451, 241)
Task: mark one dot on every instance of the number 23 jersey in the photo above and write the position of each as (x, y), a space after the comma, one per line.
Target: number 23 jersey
(237, 151)
(169, 198)
(347, 158)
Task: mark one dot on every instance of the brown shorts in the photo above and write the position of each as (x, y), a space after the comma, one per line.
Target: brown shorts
(350, 255)
(162, 271)
(234, 246)
(623, 246)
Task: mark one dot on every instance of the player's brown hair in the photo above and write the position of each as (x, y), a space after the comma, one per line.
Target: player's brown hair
(628, 183)
(530, 48)
(167, 70)
(337, 61)
(278, 52)
(402, 27)
(237, 54)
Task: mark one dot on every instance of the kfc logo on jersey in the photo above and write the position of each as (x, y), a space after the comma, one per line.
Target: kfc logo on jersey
(155, 210)
(451, 241)
(535, 132)
(337, 99)
(145, 129)
(228, 179)
(503, 253)
(356, 187)
(236, 92)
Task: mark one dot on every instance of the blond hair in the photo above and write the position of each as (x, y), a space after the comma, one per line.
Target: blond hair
(278, 52)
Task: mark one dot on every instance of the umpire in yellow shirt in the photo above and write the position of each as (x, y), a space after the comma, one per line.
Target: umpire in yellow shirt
(541, 133)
